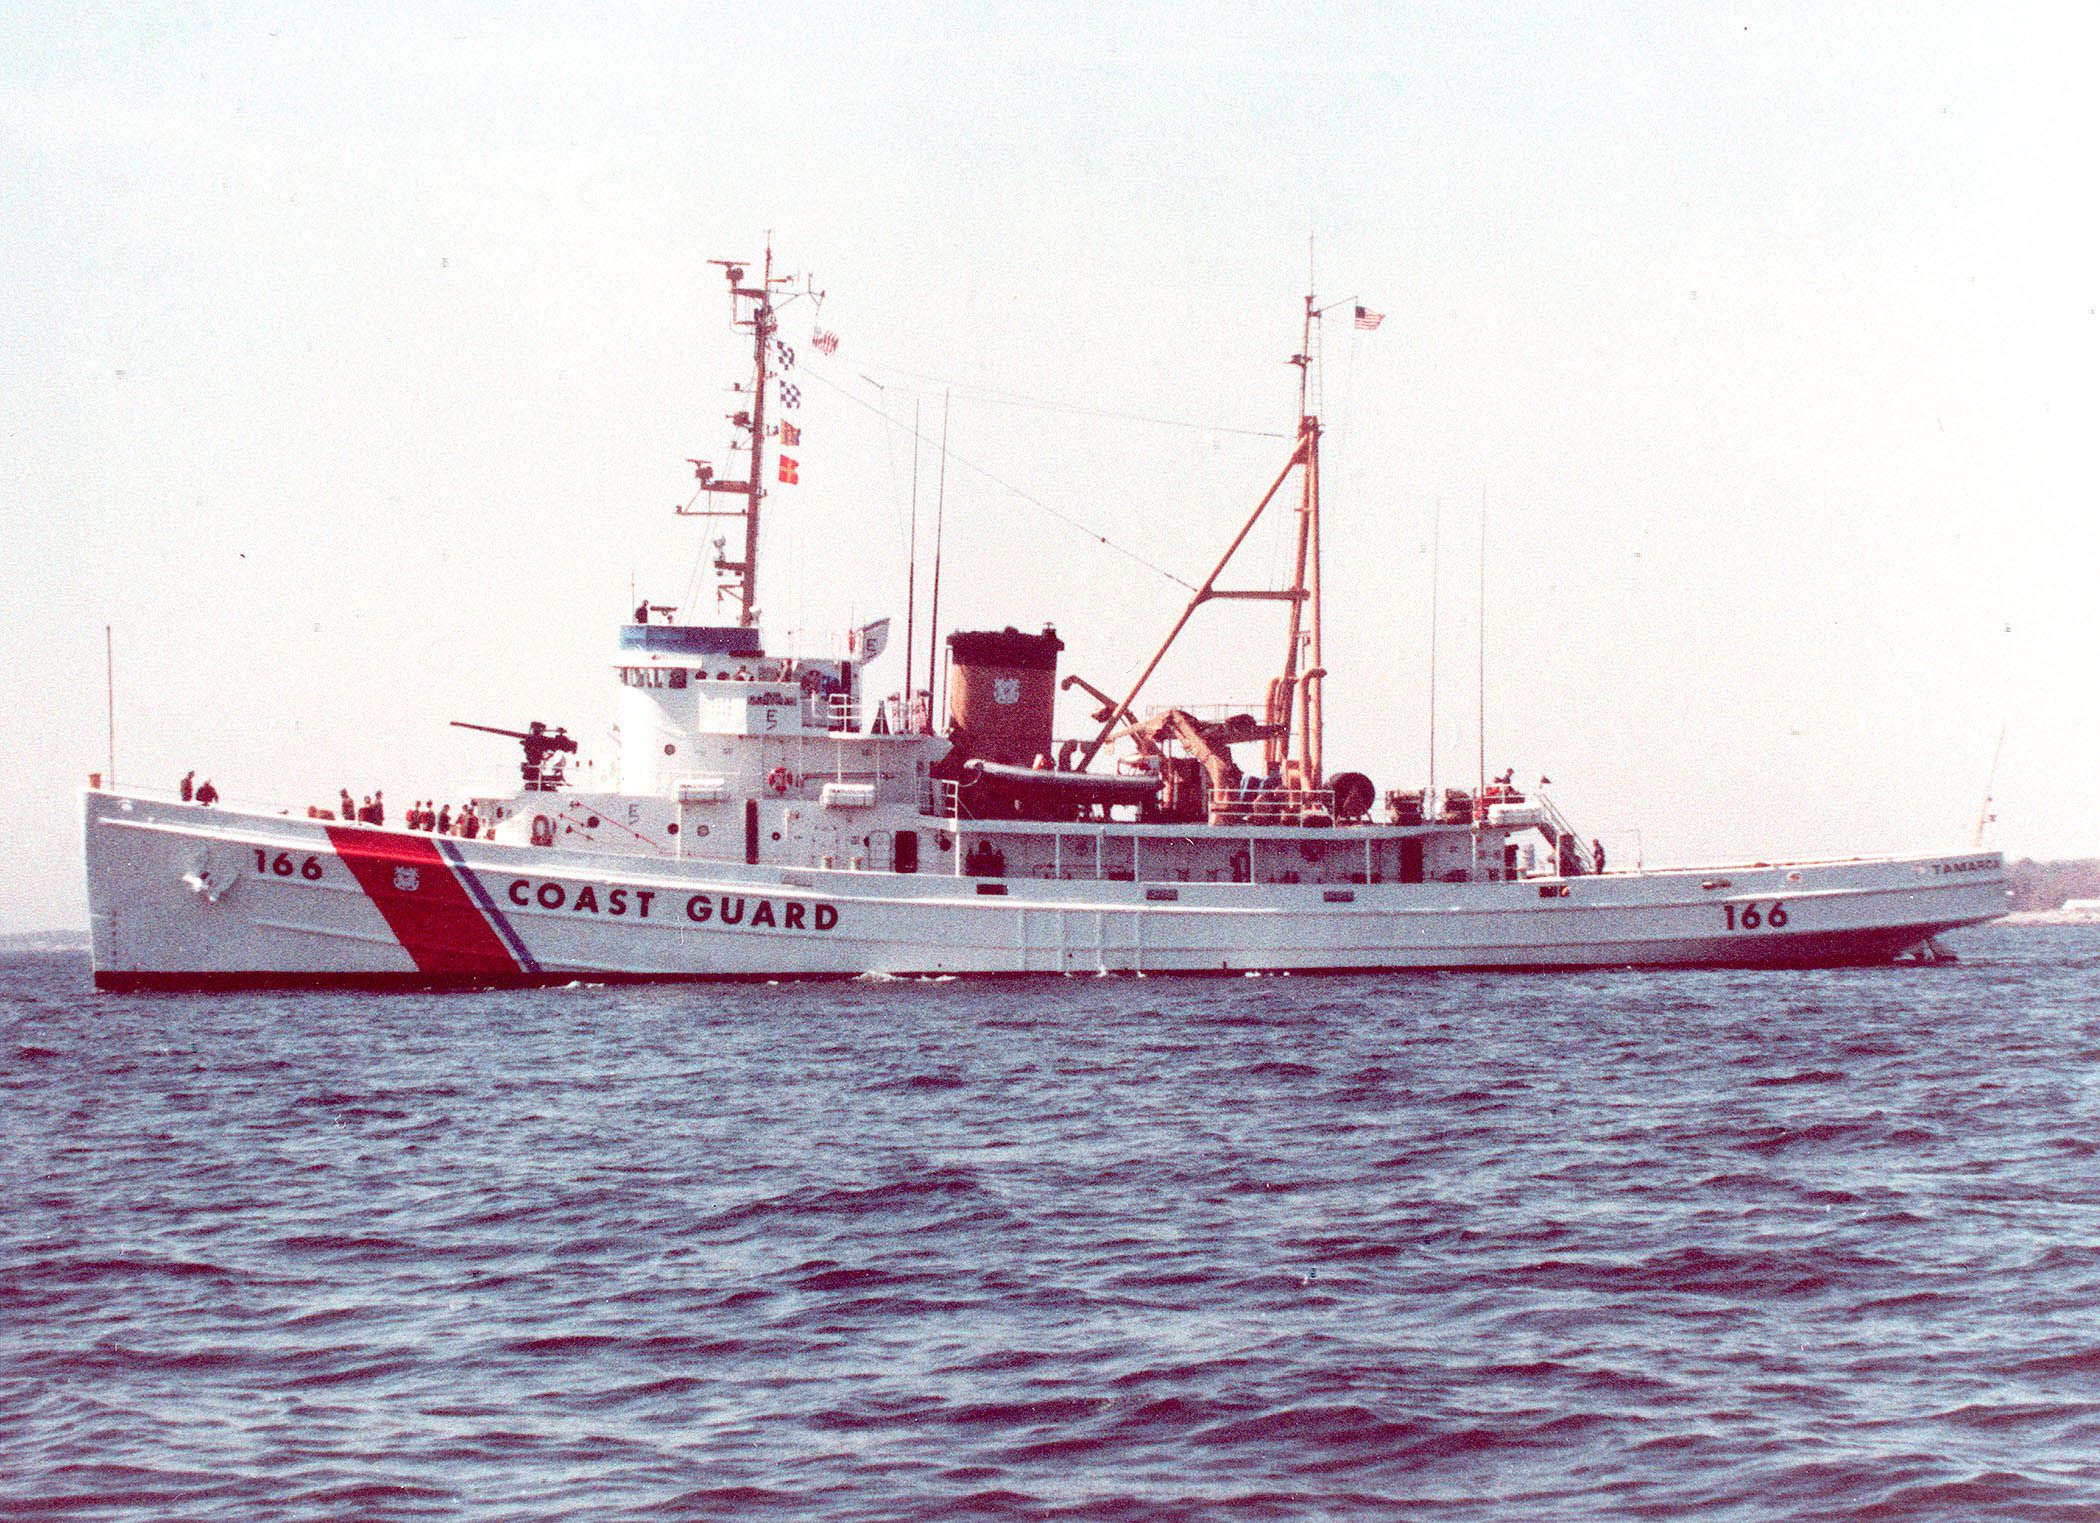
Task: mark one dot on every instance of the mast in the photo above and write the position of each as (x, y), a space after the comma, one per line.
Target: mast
(1983, 816)
(1480, 727)
(1312, 714)
(1313, 756)
(1436, 545)
(761, 335)
(911, 569)
(1295, 690)
(1288, 704)
(740, 577)
(933, 613)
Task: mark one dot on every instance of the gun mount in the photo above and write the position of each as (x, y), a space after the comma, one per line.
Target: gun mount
(539, 744)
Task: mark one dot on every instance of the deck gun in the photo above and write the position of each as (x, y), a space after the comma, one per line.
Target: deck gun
(538, 743)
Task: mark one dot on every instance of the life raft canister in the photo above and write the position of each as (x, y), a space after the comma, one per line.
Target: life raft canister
(542, 830)
(779, 779)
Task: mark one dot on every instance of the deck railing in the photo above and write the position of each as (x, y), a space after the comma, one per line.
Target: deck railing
(830, 711)
(1269, 806)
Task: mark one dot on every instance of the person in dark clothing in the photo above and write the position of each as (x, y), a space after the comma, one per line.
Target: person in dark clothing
(189, 786)
(1597, 854)
(348, 807)
(444, 820)
(207, 795)
(378, 807)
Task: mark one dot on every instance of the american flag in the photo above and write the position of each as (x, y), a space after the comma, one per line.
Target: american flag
(826, 343)
(1368, 320)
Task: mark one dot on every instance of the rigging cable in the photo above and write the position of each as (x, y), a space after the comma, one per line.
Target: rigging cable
(1065, 518)
(1015, 399)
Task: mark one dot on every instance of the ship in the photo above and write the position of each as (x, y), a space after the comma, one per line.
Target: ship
(764, 814)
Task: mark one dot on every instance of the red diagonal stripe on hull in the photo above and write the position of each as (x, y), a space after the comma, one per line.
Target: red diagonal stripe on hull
(437, 921)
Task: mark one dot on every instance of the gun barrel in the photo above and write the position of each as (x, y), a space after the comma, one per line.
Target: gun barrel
(488, 729)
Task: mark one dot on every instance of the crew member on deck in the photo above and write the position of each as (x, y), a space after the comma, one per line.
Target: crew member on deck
(1597, 854)
(189, 786)
(207, 795)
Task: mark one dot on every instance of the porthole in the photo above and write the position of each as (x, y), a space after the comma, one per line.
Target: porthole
(670, 750)
(671, 829)
(591, 823)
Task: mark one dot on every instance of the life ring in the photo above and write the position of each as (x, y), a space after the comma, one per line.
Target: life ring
(779, 779)
(542, 830)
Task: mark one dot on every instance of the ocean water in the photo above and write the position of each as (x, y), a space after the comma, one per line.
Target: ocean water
(1615, 1245)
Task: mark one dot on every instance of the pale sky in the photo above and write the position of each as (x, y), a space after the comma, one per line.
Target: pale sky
(351, 363)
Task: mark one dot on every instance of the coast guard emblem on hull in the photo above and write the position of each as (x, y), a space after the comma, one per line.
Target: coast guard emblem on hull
(408, 879)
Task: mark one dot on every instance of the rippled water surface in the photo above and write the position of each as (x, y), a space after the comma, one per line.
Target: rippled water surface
(1658, 1245)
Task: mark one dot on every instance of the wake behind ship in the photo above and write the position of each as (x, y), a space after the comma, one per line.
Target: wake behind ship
(769, 819)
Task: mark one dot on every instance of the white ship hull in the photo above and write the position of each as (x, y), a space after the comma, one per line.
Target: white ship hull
(186, 897)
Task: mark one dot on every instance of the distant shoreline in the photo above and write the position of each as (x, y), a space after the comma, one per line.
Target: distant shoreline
(2042, 887)
(43, 941)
